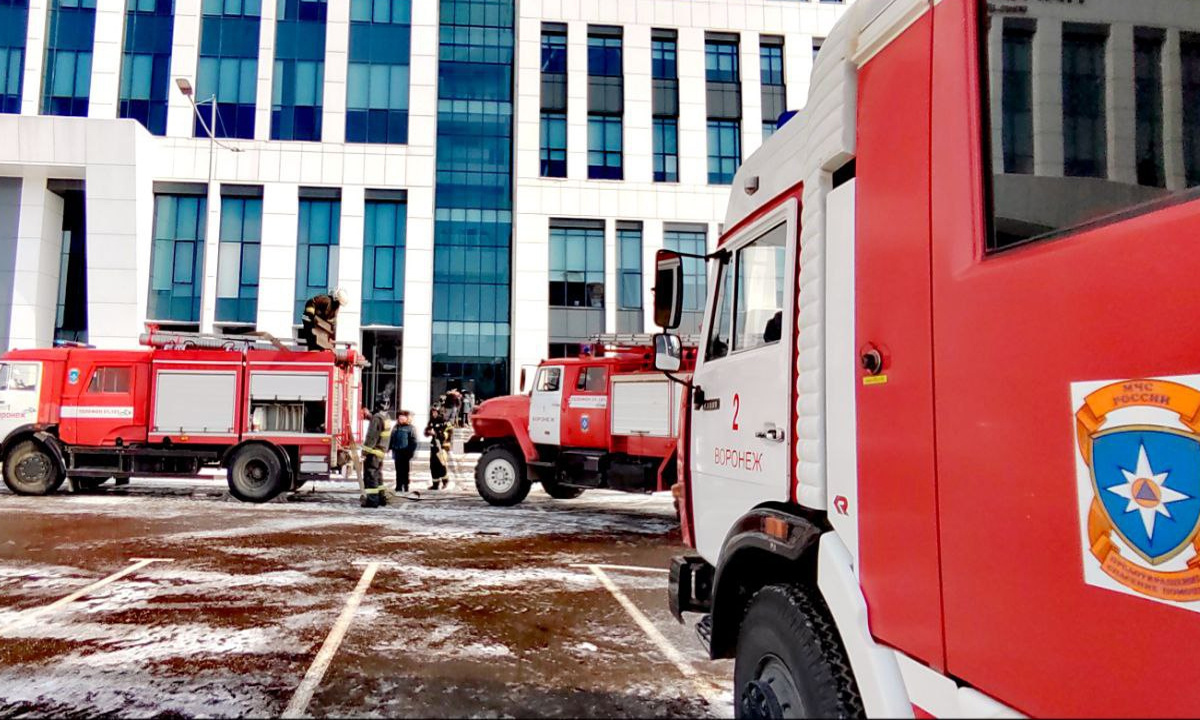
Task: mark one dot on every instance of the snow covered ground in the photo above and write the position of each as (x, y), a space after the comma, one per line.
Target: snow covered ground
(472, 610)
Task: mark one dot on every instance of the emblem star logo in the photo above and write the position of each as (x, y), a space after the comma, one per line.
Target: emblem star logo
(1144, 490)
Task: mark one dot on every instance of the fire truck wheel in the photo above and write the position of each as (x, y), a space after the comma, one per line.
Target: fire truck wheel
(500, 477)
(256, 474)
(790, 661)
(560, 492)
(30, 469)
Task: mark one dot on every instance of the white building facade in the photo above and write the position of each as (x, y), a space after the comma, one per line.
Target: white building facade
(373, 145)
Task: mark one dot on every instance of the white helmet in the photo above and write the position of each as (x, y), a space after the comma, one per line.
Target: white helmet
(341, 296)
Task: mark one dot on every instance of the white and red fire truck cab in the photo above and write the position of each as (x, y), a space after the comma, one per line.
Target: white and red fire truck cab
(965, 479)
(274, 417)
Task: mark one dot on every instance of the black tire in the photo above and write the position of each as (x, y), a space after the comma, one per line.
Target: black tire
(500, 477)
(790, 661)
(560, 492)
(256, 474)
(31, 469)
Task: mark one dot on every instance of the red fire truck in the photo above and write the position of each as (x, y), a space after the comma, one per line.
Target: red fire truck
(964, 478)
(274, 416)
(605, 419)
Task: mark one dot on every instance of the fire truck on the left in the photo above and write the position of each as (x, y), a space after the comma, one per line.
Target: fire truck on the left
(273, 415)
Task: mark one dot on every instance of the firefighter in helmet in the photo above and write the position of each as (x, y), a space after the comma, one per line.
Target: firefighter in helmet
(374, 448)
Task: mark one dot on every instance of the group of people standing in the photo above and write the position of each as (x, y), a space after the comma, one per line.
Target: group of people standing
(399, 438)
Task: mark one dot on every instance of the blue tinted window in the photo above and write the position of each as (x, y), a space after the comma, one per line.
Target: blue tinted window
(772, 64)
(666, 150)
(68, 75)
(604, 147)
(383, 263)
(238, 259)
(576, 267)
(694, 282)
(317, 249)
(378, 75)
(629, 269)
(662, 60)
(228, 67)
(298, 90)
(146, 63)
(721, 61)
(554, 145)
(554, 53)
(14, 18)
(473, 198)
(724, 150)
(177, 258)
(604, 56)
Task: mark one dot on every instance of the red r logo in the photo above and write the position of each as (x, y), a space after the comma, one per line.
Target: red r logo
(841, 504)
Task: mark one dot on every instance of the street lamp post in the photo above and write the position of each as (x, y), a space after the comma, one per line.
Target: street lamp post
(185, 87)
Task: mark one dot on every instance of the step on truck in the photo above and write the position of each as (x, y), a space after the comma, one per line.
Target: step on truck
(275, 416)
(605, 419)
(964, 478)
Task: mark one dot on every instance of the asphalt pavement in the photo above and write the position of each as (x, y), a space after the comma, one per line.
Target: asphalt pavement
(166, 598)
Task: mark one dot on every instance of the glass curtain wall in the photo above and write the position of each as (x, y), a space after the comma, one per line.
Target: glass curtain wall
(377, 80)
(177, 258)
(146, 65)
(14, 19)
(299, 86)
(228, 69)
(473, 198)
(68, 71)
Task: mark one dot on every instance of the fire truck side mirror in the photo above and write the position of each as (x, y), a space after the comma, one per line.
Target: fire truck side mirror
(668, 352)
(668, 289)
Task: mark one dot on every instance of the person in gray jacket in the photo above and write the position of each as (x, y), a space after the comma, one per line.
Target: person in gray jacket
(403, 445)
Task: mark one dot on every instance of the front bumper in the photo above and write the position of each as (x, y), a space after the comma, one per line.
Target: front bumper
(690, 586)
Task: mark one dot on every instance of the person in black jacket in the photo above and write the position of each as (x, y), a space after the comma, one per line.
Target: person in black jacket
(439, 433)
(403, 445)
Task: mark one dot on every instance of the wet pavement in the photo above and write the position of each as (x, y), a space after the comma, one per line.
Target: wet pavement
(221, 608)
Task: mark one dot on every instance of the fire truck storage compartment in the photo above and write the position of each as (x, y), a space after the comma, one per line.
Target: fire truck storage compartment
(643, 405)
(195, 401)
(288, 402)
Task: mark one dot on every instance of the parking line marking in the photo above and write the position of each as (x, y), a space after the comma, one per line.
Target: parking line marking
(316, 672)
(138, 564)
(706, 688)
(629, 568)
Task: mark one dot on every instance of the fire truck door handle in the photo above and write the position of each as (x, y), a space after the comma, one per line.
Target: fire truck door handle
(771, 433)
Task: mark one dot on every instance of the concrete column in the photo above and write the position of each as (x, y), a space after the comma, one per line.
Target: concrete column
(277, 265)
(652, 242)
(639, 127)
(10, 209)
(337, 57)
(1176, 173)
(350, 261)
(577, 99)
(106, 58)
(418, 303)
(212, 249)
(693, 108)
(610, 276)
(36, 264)
(1121, 106)
(35, 56)
(531, 297)
(1047, 99)
(266, 73)
(751, 62)
(185, 58)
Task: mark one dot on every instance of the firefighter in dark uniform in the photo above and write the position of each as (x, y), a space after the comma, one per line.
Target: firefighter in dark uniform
(374, 447)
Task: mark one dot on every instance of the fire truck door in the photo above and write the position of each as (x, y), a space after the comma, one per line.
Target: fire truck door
(19, 396)
(545, 406)
(740, 433)
(1067, 367)
(585, 415)
(100, 407)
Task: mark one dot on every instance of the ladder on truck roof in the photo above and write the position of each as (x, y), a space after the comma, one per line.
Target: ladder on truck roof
(182, 340)
(625, 340)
